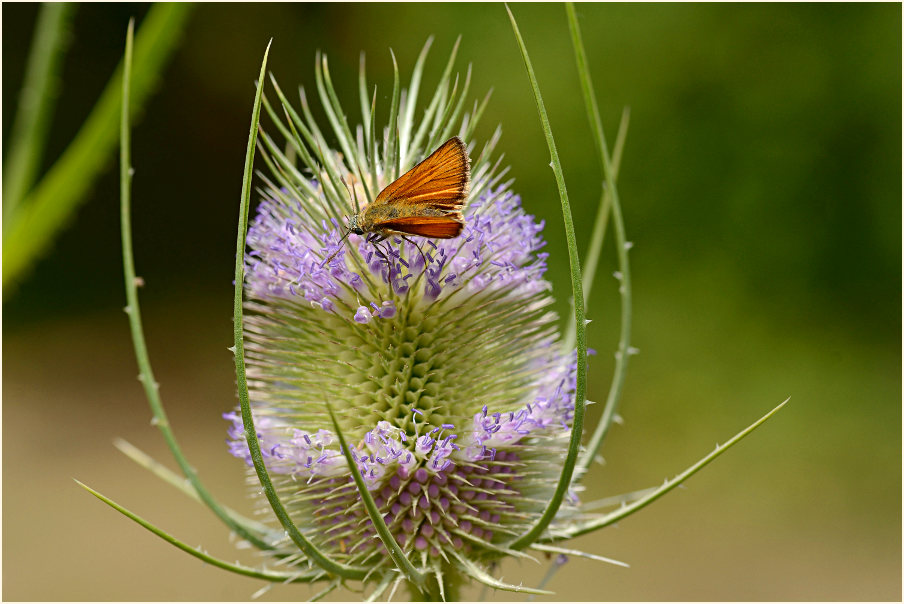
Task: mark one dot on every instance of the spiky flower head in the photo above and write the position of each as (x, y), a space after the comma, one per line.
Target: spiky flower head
(440, 358)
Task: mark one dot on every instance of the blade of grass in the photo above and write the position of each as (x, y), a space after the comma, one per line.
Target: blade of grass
(133, 310)
(238, 569)
(36, 102)
(315, 555)
(621, 246)
(46, 208)
(577, 425)
(627, 510)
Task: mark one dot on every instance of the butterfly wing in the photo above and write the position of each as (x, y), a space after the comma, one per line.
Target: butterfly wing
(440, 182)
(437, 227)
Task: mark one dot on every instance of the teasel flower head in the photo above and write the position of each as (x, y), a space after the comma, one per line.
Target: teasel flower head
(407, 405)
(440, 358)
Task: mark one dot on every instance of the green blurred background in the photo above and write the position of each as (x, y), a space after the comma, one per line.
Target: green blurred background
(761, 186)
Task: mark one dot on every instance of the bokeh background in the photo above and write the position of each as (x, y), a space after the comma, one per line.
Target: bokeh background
(761, 186)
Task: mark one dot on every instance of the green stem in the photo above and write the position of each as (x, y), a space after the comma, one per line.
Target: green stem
(315, 555)
(36, 102)
(624, 347)
(599, 225)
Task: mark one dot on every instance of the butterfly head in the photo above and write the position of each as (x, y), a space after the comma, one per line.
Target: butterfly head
(353, 225)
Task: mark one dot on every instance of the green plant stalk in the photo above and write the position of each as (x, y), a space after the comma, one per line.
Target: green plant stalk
(43, 212)
(624, 343)
(315, 556)
(36, 102)
(238, 569)
(133, 310)
(599, 225)
(577, 426)
(627, 510)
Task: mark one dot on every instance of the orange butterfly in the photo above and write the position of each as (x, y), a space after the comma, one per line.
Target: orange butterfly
(425, 201)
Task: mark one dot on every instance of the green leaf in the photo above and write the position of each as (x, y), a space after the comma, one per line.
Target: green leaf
(456, 114)
(365, 106)
(412, 574)
(316, 556)
(568, 464)
(277, 577)
(338, 121)
(574, 552)
(36, 101)
(668, 485)
(316, 141)
(45, 210)
(475, 115)
(381, 587)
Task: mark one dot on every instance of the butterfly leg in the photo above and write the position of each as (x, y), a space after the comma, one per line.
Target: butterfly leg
(423, 256)
(374, 240)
